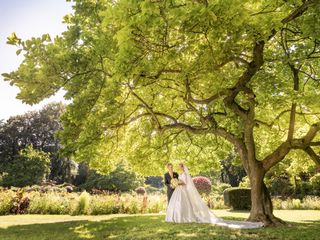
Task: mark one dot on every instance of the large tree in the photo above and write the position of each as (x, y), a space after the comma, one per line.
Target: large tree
(178, 79)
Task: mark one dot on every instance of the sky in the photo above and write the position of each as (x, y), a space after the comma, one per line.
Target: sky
(28, 18)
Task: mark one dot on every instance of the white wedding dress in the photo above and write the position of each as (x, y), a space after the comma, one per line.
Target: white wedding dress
(186, 206)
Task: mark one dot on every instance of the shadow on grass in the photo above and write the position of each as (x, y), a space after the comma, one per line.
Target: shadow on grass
(151, 227)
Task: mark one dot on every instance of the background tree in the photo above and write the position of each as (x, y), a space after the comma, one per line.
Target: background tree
(186, 80)
(154, 181)
(291, 178)
(29, 167)
(231, 172)
(121, 179)
(38, 129)
(82, 174)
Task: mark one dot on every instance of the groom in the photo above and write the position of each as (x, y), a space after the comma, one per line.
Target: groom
(167, 179)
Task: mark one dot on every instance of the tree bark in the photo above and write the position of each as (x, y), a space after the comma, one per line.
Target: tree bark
(261, 204)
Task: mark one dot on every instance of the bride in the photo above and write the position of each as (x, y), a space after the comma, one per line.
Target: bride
(186, 206)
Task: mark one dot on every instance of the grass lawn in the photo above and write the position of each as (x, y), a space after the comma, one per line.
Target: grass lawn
(304, 224)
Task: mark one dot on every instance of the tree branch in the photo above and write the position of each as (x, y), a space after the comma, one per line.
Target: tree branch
(313, 155)
(285, 147)
(299, 11)
(292, 120)
(189, 128)
(202, 101)
(149, 108)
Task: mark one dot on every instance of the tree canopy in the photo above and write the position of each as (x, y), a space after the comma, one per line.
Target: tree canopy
(156, 81)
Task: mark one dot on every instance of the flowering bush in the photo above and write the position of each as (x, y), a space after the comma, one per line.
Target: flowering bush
(202, 184)
(20, 203)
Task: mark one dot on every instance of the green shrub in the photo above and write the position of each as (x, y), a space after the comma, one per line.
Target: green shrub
(279, 185)
(121, 179)
(237, 198)
(29, 167)
(6, 202)
(315, 183)
(306, 188)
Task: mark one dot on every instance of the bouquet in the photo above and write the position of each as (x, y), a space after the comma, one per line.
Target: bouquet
(174, 182)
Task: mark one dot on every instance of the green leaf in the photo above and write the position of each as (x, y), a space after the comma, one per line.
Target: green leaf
(18, 51)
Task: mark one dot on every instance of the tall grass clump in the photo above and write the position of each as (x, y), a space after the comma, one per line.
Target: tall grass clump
(82, 205)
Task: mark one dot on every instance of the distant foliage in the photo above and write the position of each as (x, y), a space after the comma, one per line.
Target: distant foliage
(230, 172)
(315, 182)
(121, 179)
(154, 181)
(245, 182)
(203, 184)
(149, 189)
(220, 187)
(29, 167)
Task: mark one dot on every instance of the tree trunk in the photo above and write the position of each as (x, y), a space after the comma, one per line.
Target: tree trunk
(261, 204)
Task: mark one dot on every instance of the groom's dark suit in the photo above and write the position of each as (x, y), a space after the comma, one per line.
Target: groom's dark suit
(167, 179)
